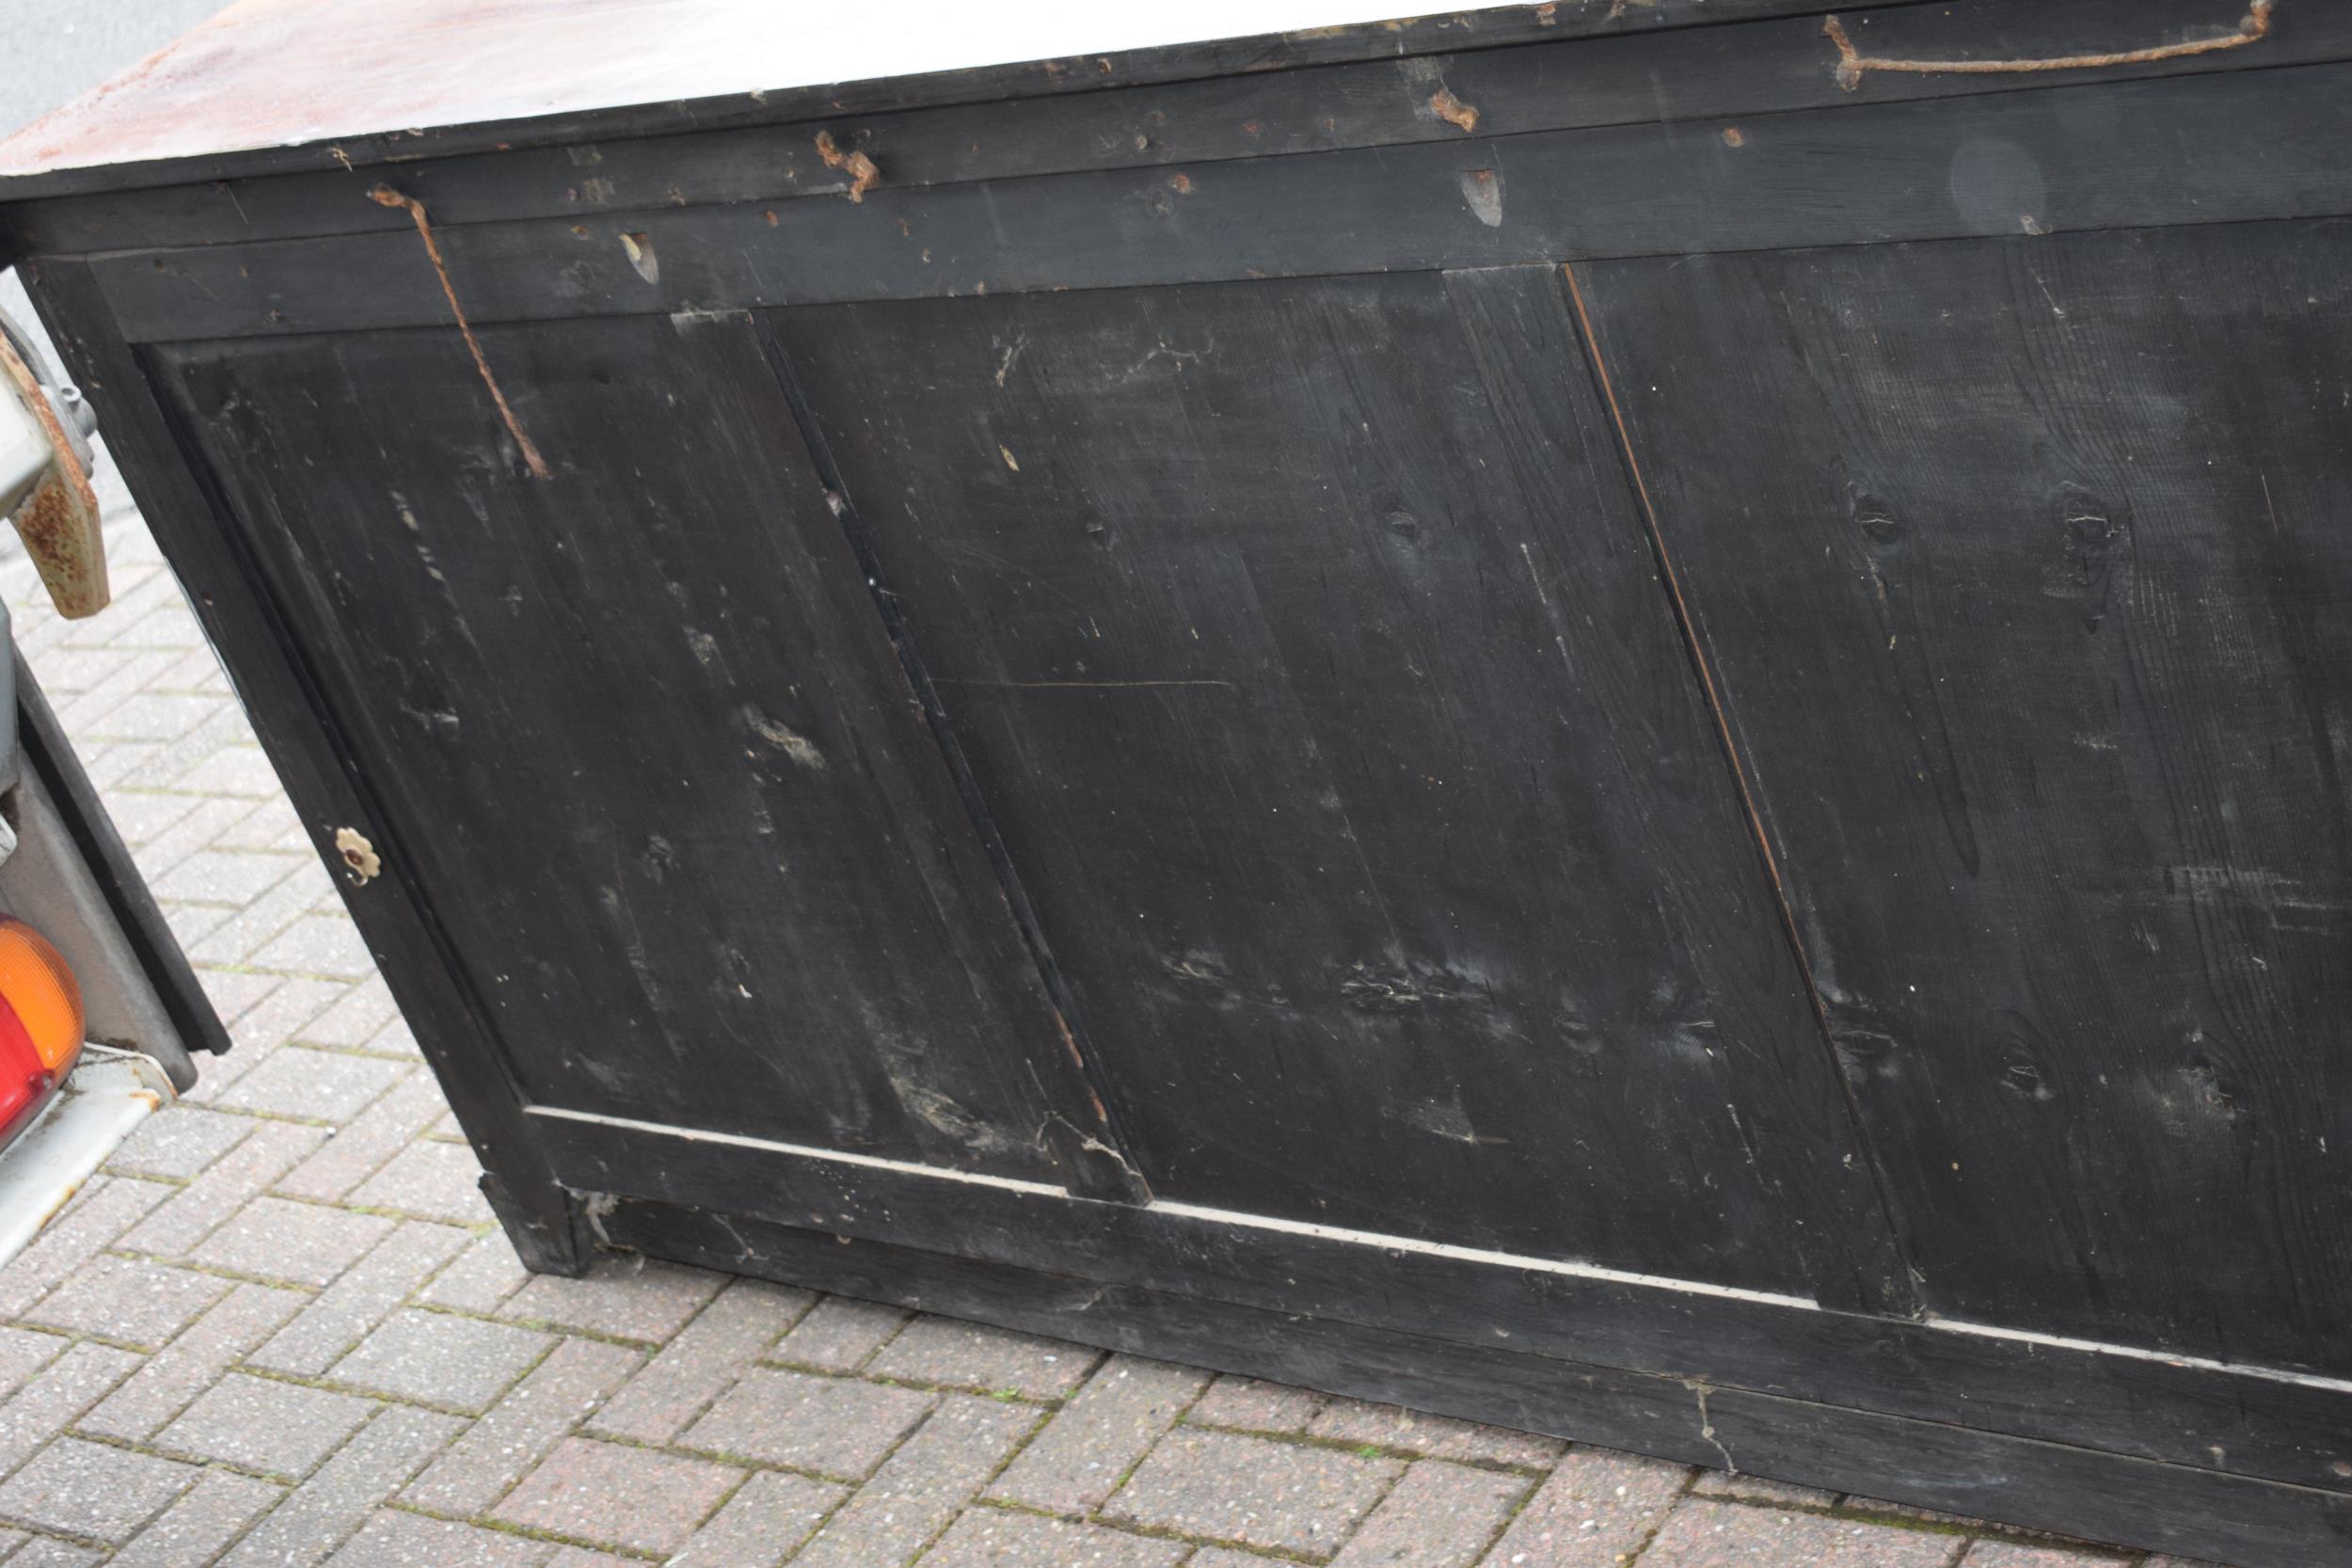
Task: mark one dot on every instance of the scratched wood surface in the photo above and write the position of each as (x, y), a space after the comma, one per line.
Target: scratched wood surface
(700, 874)
(1714, 79)
(270, 85)
(1736, 843)
(1308, 651)
(2023, 567)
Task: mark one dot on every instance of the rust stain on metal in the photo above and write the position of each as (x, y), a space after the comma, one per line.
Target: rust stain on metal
(1183, 184)
(383, 196)
(857, 165)
(59, 522)
(1453, 110)
(1852, 63)
(1734, 136)
(358, 855)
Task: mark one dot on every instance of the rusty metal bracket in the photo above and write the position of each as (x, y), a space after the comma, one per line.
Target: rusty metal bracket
(58, 519)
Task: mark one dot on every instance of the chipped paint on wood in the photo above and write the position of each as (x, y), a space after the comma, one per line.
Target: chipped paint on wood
(358, 855)
(856, 165)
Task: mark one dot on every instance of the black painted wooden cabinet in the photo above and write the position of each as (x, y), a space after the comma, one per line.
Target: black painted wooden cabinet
(1596, 730)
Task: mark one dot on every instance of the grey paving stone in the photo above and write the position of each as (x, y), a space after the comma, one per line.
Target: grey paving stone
(179, 1142)
(625, 1295)
(367, 1292)
(396, 1540)
(923, 1487)
(1703, 1532)
(485, 1274)
(139, 816)
(109, 1206)
(522, 1427)
(395, 1039)
(180, 1225)
(435, 1358)
(314, 1085)
(62, 1393)
(260, 1424)
(1437, 1516)
(1092, 1442)
(580, 1557)
(90, 1489)
(763, 1524)
(234, 992)
(223, 876)
(702, 1362)
(362, 1010)
(1595, 1511)
(285, 1013)
(1757, 1489)
(207, 1518)
(972, 1355)
(152, 715)
(1390, 1426)
(1246, 1404)
(837, 1426)
(992, 1538)
(233, 770)
(360, 1148)
(619, 1496)
(319, 944)
(301, 1243)
(237, 940)
(185, 1368)
(199, 828)
(839, 1334)
(1252, 1491)
(192, 922)
(328, 1507)
(23, 1353)
(2010, 1554)
(131, 1300)
(439, 1182)
(272, 824)
(44, 1551)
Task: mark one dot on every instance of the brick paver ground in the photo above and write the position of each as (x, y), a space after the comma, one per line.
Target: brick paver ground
(280, 1329)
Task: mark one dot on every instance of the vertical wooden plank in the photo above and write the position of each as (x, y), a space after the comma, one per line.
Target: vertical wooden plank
(676, 825)
(2022, 562)
(1309, 658)
(280, 694)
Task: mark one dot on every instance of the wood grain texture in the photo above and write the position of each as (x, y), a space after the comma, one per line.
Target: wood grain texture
(277, 682)
(1307, 655)
(2189, 150)
(264, 86)
(1710, 81)
(2238, 1420)
(2040, 1485)
(2022, 563)
(662, 785)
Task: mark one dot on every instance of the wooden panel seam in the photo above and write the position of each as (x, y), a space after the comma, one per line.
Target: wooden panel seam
(1097, 1157)
(1670, 579)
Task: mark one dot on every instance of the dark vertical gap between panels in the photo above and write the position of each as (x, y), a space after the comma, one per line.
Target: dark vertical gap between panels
(1902, 1297)
(1095, 1157)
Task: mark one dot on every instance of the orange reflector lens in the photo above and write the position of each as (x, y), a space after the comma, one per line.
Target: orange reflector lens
(43, 994)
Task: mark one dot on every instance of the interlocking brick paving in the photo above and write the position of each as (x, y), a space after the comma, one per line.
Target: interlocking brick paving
(280, 1330)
